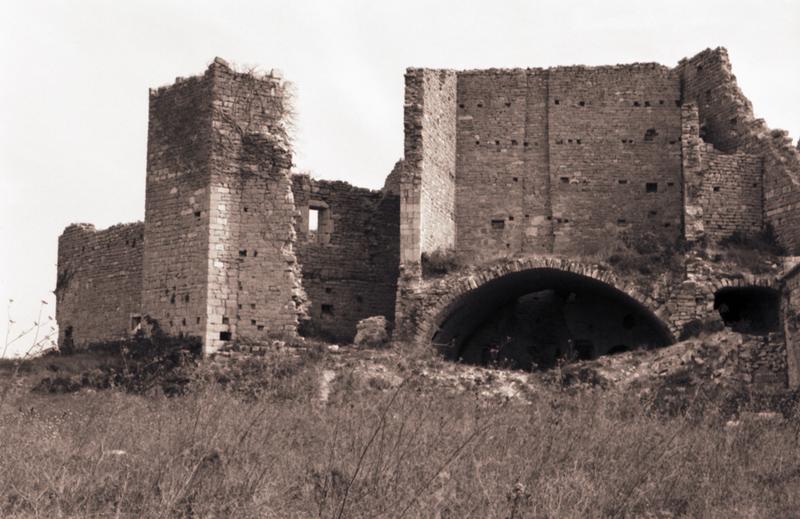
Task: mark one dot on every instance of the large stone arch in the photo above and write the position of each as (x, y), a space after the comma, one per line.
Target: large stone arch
(425, 305)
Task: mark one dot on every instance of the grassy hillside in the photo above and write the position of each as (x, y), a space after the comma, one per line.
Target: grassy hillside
(311, 434)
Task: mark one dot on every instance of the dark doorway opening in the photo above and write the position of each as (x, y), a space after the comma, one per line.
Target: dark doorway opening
(753, 310)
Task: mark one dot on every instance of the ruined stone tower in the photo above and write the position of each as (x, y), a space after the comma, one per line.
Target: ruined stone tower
(522, 197)
(218, 255)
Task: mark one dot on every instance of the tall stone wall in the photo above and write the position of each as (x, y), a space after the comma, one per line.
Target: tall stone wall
(99, 285)
(545, 156)
(727, 122)
(350, 263)
(176, 222)
(731, 195)
(790, 310)
(503, 183)
(615, 155)
(427, 183)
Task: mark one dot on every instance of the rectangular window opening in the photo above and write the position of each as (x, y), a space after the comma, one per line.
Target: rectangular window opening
(327, 310)
(498, 224)
(651, 187)
(313, 220)
(224, 336)
(320, 225)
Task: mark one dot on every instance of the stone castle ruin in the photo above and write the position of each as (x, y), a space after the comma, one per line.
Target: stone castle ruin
(537, 214)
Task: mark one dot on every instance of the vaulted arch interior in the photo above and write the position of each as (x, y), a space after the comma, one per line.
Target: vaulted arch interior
(537, 317)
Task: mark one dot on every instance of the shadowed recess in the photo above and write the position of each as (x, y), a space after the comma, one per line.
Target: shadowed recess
(753, 309)
(534, 318)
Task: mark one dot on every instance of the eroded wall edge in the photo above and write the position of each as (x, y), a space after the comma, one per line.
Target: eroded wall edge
(99, 285)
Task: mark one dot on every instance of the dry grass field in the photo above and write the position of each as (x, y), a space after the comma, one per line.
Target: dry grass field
(254, 439)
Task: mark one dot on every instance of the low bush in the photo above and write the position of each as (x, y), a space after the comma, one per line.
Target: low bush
(440, 262)
(754, 251)
(647, 255)
(137, 365)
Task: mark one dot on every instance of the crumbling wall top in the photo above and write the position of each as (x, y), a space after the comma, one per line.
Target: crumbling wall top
(274, 75)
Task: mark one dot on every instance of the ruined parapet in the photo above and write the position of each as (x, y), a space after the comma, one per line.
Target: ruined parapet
(727, 122)
(391, 185)
(722, 192)
(99, 284)
(219, 258)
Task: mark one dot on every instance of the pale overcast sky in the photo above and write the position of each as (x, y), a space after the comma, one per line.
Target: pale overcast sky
(76, 74)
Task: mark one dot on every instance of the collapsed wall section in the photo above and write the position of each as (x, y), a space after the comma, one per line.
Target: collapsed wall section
(722, 191)
(428, 182)
(99, 284)
(348, 246)
(727, 121)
